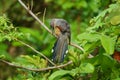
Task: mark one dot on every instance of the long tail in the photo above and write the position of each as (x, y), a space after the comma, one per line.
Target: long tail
(60, 49)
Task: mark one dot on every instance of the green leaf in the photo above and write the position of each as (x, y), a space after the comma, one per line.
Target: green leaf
(106, 62)
(108, 44)
(115, 20)
(86, 68)
(90, 37)
(58, 74)
(2, 56)
(90, 46)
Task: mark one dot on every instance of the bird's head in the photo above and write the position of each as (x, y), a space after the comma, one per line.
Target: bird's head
(60, 26)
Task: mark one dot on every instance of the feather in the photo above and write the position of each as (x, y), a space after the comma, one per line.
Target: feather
(60, 48)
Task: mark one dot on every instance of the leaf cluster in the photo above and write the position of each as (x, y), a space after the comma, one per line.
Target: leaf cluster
(100, 41)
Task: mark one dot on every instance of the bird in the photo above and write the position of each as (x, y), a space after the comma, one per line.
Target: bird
(61, 29)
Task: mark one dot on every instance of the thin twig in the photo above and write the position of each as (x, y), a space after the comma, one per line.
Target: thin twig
(31, 5)
(72, 44)
(38, 13)
(40, 22)
(44, 15)
(34, 16)
(35, 51)
(36, 70)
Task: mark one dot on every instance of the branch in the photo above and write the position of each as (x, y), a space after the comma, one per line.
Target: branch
(77, 46)
(34, 16)
(36, 70)
(36, 51)
(44, 26)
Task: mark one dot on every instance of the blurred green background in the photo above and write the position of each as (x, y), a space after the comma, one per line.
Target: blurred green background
(78, 13)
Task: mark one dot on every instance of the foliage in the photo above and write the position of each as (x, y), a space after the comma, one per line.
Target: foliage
(101, 40)
(7, 30)
(103, 35)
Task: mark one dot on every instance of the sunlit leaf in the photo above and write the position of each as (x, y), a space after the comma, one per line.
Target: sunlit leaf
(90, 37)
(115, 20)
(2, 56)
(58, 74)
(86, 68)
(108, 44)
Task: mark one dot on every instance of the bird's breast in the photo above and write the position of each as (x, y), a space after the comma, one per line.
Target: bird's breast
(57, 31)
